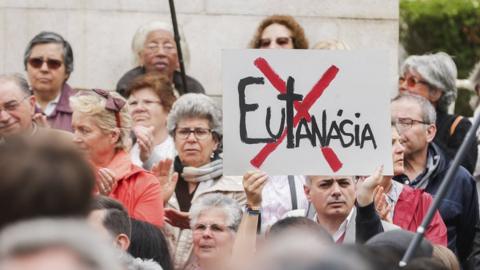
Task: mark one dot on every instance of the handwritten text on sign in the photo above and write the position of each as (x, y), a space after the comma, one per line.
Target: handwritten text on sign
(306, 112)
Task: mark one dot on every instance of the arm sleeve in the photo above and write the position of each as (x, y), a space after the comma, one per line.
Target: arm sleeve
(469, 218)
(149, 202)
(367, 223)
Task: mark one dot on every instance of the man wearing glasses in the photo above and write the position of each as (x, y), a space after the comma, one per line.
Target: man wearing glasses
(17, 107)
(48, 60)
(425, 168)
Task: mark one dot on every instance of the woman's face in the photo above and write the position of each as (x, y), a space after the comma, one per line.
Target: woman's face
(160, 53)
(194, 141)
(46, 68)
(276, 36)
(93, 141)
(146, 109)
(212, 238)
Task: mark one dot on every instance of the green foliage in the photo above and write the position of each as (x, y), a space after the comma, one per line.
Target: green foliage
(452, 26)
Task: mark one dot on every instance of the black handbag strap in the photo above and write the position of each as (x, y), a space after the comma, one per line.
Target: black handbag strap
(293, 191)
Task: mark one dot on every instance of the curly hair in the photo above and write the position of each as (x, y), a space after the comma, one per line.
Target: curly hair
(298, 35)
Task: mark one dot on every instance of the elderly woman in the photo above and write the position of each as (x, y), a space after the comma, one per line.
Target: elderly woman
(195, 122)
(101, 124)
(214, 221)
(150, 98)
(48, 60)
(154, 50)
(433, 76)
(279, 32)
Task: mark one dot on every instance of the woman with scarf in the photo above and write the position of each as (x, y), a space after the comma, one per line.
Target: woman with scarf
(195, 123)
(102, 125)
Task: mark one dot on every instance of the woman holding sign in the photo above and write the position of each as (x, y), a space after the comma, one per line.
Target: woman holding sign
(195, 123)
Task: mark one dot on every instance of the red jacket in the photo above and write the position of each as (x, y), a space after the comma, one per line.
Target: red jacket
(138, 190)
(411, 208)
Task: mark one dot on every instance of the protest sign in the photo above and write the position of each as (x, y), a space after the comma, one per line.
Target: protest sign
(307, 112)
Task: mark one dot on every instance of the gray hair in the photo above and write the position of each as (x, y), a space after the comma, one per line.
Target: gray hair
(19, 80)
(439, 70)
(142, 32)
(232, 210)
(32, 236)
(429, 115)
(194, 105)
(51, 37)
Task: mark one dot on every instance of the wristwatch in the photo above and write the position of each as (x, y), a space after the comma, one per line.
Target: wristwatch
(252, 211)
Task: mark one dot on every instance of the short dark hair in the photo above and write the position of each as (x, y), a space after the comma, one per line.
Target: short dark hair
(43, 178)
(299, 223)
(149, 242)
(46, 37)
(116, 219)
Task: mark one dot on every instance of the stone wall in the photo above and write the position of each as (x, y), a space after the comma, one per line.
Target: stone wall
(100, 31)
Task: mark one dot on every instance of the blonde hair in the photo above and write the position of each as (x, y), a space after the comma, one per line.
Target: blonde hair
(93, 105)
(446, 256)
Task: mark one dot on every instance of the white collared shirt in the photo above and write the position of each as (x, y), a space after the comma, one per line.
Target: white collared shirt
(51, 105)
(343, 227)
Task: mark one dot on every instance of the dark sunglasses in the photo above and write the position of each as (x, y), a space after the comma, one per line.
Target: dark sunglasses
(412, 81)
(282, 41)
(51, 63)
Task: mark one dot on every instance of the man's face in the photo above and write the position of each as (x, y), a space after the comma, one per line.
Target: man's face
(415, 136)
(160, 53)
(397, 152)
(332, 196)
(16, 109)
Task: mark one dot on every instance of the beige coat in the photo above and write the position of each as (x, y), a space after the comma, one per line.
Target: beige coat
(182, 241)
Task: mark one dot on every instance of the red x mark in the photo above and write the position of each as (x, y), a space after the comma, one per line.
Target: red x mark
(302, 111)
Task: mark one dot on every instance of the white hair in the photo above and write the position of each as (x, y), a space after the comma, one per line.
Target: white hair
(232, 210)
(142, 32)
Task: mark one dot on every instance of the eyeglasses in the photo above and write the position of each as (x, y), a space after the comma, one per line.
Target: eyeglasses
(12, 105)
(143, 102)
(37, 62)
(281, 41)
(199, 133)
(166, 46)
(214, 228)
(412, 81)
(403, 124)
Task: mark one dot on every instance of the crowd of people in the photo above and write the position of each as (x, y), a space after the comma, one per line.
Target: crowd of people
(132, 178)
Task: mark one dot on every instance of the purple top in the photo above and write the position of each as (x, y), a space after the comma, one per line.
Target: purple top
(61, 117)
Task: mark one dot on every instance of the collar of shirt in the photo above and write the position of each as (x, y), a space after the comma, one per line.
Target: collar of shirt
(343, 227)
(392, 197)
(51, 105)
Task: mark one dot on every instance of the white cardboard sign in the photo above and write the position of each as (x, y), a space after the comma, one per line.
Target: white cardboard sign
(307, 112)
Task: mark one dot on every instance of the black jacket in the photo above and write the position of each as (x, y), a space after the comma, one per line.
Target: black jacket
(193, 85)
(459, 207)
(451, 144)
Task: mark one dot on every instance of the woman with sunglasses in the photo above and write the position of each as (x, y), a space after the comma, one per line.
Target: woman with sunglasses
(102, 125)
(433, 76)
(48, 60)
(279, 32)
(282, 193)
(195, 123)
